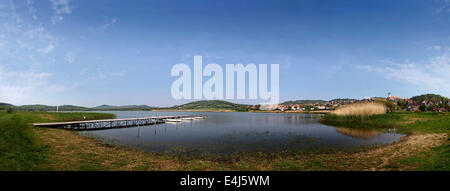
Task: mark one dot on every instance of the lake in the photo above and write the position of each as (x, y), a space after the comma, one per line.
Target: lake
(228, 132)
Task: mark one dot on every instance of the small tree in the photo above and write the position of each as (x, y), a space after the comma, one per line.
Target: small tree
(9, 110)
(447, 105)
(422, 107)
(402, 104)
(431, 107)
(391, 106)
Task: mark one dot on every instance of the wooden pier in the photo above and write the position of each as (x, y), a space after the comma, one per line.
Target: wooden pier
(112, 123)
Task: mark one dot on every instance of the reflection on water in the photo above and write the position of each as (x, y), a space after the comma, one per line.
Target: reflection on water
(240, 132)
(359, 133)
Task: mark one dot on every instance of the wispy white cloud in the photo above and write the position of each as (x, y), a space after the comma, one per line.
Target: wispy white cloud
(13, 13)
(435, 47)
(24, 45)
(57, 19)
(108, 23)
(433, 75)
(104, 75)
(47, 49)
(20, 86)
(3, 42)
(69, 57)
(444, 6)
(31, 9)
(24, 36)
(60, 8)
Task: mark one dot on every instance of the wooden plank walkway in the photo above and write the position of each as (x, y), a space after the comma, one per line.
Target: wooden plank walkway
(112, 123)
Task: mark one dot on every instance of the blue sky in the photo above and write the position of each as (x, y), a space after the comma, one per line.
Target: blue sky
(88, 53)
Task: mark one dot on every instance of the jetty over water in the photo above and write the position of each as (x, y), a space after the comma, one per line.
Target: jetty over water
(113, 123)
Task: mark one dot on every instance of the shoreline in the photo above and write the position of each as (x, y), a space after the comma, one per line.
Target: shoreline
(250, 111)
(103, 156)
(68, 150)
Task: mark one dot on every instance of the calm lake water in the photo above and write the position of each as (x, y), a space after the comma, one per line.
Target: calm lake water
(225, 133)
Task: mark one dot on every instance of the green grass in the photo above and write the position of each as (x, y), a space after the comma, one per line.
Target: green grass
(428, 123)
(76, 116)
(286, 166)
(19, 147)
(315, 164)
(374, 121)
(409, 123)
(406, 122)
(438, 159)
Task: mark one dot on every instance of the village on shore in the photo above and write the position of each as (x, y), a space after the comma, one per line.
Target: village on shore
(422, 103)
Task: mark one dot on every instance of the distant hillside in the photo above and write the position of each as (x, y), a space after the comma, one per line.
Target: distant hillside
(429, 97)
(39, 107)
(5, 105)
(345, 100)
(211, 104)
(196, 105)
(304, 102)
(104, 107)
(124, 107)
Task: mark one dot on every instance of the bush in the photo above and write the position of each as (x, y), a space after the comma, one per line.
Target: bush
(402, 104)
(9, 110)
(422, 107)
(391, 106)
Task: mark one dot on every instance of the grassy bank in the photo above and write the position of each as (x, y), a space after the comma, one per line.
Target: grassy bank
(26, 148)
(435, 158)
(20, 147)
(405, 122)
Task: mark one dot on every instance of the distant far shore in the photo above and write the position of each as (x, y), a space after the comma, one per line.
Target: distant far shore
(253, 111)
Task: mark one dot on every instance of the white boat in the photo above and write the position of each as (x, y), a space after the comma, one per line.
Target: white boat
(199, 117)
(188, 118)
(173, 120)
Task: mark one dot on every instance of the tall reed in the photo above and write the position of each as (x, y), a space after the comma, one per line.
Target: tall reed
(361, 109)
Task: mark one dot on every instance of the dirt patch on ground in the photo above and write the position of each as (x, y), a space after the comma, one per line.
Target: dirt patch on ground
(408, 146)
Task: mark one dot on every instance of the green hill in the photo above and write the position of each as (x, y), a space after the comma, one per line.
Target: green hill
(212, 104)
(196, 105)
(39, 107)
(344, 100)
(429, 97)
(123, 107)
(5, 106)
(304, 102)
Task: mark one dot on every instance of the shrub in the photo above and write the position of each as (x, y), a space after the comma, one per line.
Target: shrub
(423, 107)
(9, 110)
(402, 104)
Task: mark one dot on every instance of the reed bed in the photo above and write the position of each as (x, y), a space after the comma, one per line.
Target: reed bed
(361, 109)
